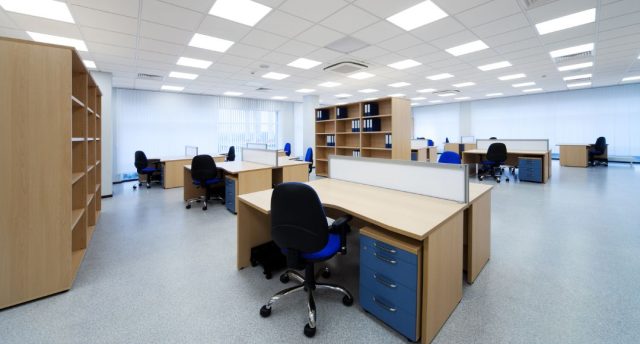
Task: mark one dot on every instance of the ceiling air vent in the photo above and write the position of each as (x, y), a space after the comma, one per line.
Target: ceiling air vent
(580, 80)
(149, 76)
(529, 4)
(263, 89)
(446, 92)
(573, 56)
(346, 67)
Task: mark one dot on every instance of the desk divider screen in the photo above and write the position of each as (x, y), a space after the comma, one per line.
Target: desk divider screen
(260, 156)
(257, 145)
(467, 139)
(445, 181)
(517, 145)
(416, 144)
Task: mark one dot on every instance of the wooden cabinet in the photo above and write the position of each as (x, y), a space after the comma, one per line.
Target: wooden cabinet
(50, 133)
(342, 130)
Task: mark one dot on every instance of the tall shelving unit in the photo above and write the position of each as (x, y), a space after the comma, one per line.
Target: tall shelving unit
(50, 128)
(394, 115)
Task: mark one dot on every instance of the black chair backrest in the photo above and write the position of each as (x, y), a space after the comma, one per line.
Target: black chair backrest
(231, 155)
(492, 138)
(601, 144)
(141, 161)
(497, 152)
(203, 167)
(298, 221)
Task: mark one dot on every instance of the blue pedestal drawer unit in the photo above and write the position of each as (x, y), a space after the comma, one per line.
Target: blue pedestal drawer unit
(530, 169)
(391, 281)
(230, 193)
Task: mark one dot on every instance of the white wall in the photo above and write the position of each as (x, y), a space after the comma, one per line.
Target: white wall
(577, 116)
(104, 83)
(162, 123)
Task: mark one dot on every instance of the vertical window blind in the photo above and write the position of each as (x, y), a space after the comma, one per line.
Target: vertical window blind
(237, 127)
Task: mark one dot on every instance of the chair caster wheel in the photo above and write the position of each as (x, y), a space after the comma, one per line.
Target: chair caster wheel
(135, 187)
(268, 275)
(284, 278)
(308, 331)
(480, 178)
(188, 206)
(347, 301)
(507, 180)
(325, 273)
(265, 312)
(254, 263)
(497, 180)
(204, 208)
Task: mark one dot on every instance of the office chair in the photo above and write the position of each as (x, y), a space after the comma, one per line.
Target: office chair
(492, 138)
(599, 148)
(287, 149)
(430, 143)
(204, 174)
(446, 140)
(496, 156)
(231, 155)
(142, 166)
(450, 158)
(309, 158)
(299, 227)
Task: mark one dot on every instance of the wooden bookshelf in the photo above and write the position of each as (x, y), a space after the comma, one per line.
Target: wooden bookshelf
(46, 227)
(394, 115)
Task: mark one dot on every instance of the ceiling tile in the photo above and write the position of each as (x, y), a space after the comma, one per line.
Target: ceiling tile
(511, 36)
(108, 37)
(47, 26)
(417, 50)
(349, 20)
(502, 25)
(247, 51)
(11, 33)
(488, 12)
(262, 39)
(157, 57)
(234, 60)
(127, 8)
(441, 28)
(319, 35)
(324, 55)
(95, 47)
(456, 39)
(403, 41)
(296, 48)
(104, 20)
(378, 32)
(559, 9)
(454, 7)
(283, 24)
(165, 33)
(202, 6)
(160, 46)
(385, 9)
(312, 10)
(170, 15)
(370, 52)
(222, 28)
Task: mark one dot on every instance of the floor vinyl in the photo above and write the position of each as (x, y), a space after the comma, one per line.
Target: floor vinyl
(564, 268)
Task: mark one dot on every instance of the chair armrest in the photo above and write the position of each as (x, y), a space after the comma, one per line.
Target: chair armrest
(341, 227)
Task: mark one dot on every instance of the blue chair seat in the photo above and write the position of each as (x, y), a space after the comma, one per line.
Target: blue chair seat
(149, 169)
(208, 181)
(329, 250)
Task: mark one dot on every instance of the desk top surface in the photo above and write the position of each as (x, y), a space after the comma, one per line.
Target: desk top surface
(528, 152)
(574, 144)
(286, 161)
(401, 212)
(178, 158)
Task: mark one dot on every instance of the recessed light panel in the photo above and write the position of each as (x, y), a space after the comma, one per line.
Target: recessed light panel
(512, 76)
(210, 43)
(361, 75)
(195, 63)
(330, 84)
(467, 48)
(418, 98)
(576, 77)
(404, 64)
(426, 90)
(399, 84)
(232, 93)
(579, 84)
(494, 94)
(529, 90)
(575, 66)
(303, 63)
(70, 42)
(305, 90)
(524, 84)
(275, 76)
(415, 104)
(440, 76)
(418, 15)
(631, 78)
(462, 98)
(446, 94)
(89, 64)
(343, 95)
(172, 88)
(493, 66)
(435, 101)
(278, 97)
(572, 50)
(368, 90)
(566, 22)
(56, 10)
(464, 84)
(245, 12)
(180, 75)
(397, 95)
(372, 98)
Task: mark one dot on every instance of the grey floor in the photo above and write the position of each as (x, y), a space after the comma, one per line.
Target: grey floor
(565, 268)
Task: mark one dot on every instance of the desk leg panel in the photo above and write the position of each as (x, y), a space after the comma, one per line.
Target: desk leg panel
(171, 177)
(252, 181)
(442, 269)
(253, 229)
(295, 173)
(190, 191)
(478, 233)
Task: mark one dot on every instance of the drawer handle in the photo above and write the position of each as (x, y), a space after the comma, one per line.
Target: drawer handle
(383, 305)
(375, 244)
(385, 282)
(384, 259)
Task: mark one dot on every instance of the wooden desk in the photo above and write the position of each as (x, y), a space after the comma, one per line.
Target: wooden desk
(172, 166)
(458, 147)
(475, 156)
(574, 155)
(427, 154)
(290, 171)
(438, 226)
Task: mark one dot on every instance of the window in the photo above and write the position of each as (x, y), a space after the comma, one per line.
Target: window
(239, 127)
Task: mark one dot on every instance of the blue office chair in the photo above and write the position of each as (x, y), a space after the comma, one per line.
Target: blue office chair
(204, 174)
(496, 156)
(287, 148)
(143, 168)
(299, 227)
(450, 158)
(309, 158)
(430, 143)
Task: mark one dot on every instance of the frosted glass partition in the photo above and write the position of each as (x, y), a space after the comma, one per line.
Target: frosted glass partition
(517, 145)
(446, 181)
(257, 145)
(260, 156)
(416, 144)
